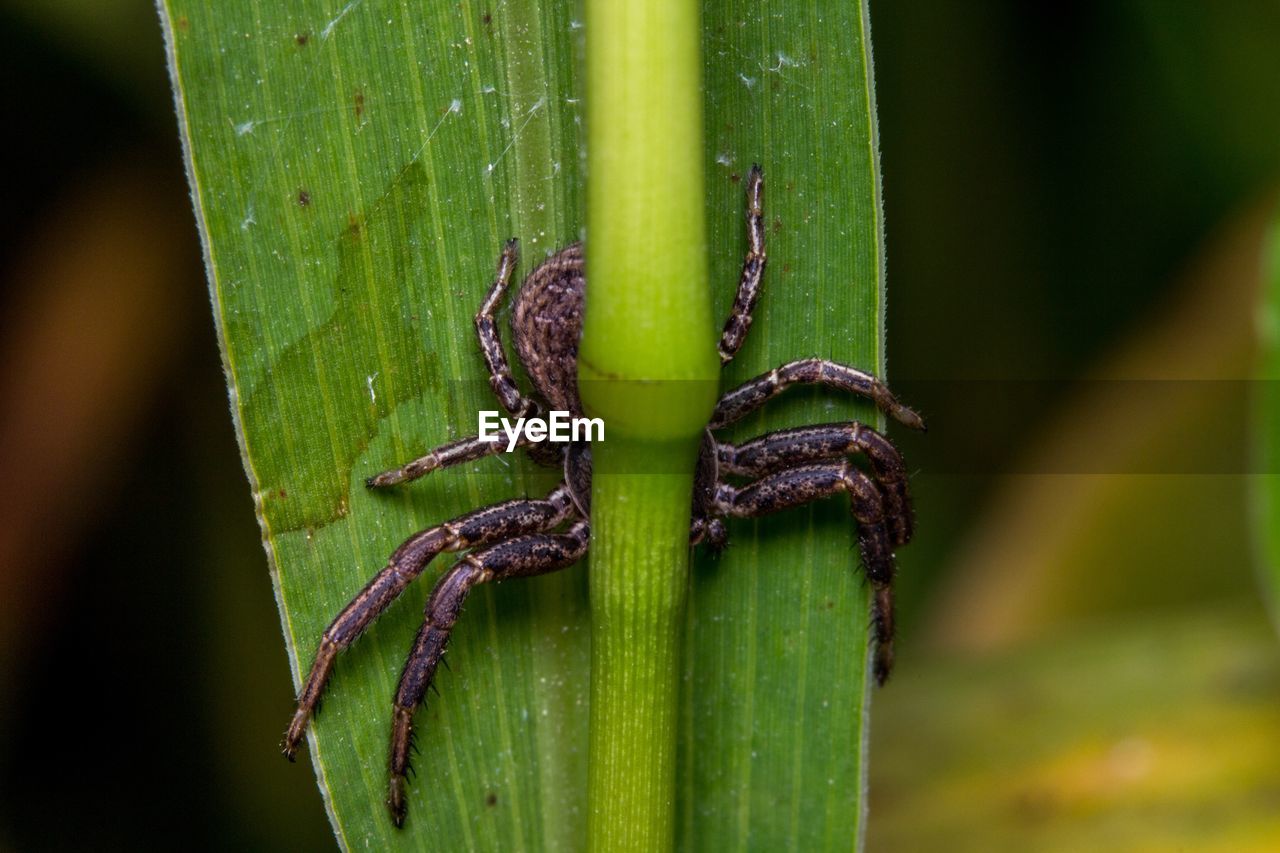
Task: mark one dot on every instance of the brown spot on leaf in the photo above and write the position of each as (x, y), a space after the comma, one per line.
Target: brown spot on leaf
(491, 799)
(353, 225)
(302, 38)
(487, 18)
(734, 177)
(304, 197)
(282, 494)
(183, 23)
(786, 268)
(777, 225)
(359, 101)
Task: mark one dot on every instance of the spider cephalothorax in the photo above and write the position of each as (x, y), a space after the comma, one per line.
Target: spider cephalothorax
(519, 538)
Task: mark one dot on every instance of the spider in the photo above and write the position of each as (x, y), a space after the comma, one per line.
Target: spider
(522, 538)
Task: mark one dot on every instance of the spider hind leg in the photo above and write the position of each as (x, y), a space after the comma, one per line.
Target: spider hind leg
(807, 483)
(787, 448)
(521, 556)
(478, 527)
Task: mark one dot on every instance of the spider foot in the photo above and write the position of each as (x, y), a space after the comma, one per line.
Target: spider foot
(293, 736)
(710, 532)
(882, 619)
(397, 787)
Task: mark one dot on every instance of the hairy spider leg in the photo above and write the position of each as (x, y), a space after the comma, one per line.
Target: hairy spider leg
(708, 531)
(787, 448)
(479, 527)
(808, 483)
(467, 449)
(522, 556)
(754, 393)
(495, 357)
(739, 322)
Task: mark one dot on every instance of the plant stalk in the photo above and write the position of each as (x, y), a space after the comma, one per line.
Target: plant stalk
(647, 366)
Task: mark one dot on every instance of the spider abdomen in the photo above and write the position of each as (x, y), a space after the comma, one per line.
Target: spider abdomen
(546, 324)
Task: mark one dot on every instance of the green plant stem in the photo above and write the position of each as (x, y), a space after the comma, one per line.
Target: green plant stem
(638, 597)
(647, 365)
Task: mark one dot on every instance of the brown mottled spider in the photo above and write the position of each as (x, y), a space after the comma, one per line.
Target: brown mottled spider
(521, 538)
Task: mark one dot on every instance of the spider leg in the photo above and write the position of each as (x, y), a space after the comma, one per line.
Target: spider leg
(522, 556)
(754, 393)
(479, 527)
(495, 358)
(786, 448)
(785, 489)
(467, 449)
(739, 322)
(710, 531)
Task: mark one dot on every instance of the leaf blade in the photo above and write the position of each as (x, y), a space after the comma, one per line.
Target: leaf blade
(343, 285)
(344, 321)
(778, 734)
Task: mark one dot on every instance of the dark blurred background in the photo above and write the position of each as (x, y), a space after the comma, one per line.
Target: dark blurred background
(1076, 195)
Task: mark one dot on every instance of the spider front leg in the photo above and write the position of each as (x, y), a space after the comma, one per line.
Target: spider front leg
(808, 483)
(787, 448)
(523, 556)
(495, 358)
(480, 527)
(754, 393)
(467, 449)
(739, 322)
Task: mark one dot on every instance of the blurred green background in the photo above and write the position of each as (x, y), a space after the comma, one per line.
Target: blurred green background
(1076, 200)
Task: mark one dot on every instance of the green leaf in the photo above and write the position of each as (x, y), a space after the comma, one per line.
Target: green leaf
(774, 755)
(356, 168)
